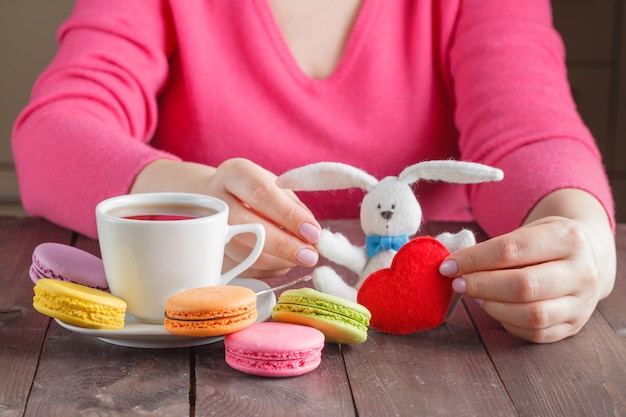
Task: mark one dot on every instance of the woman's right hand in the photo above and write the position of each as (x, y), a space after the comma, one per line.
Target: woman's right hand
(253, 197)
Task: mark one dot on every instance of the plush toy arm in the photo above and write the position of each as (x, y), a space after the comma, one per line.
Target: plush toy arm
(455, 241)
(337, 248)
(326, 280)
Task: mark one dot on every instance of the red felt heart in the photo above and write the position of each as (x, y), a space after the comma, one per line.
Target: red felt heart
(411, 295)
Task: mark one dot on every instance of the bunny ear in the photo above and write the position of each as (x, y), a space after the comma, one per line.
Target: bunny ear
(460, 172)
(326, 176)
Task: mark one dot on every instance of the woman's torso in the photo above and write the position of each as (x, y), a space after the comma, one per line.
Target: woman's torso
(260, 80)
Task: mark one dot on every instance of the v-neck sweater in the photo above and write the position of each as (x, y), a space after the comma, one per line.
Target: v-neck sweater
(204, 81)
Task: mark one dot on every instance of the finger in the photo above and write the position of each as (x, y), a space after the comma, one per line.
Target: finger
(549, 335)
(535, 315)
(237, 251)
(542, 321)
(256, 188)
(532, 283)
(528, 245)
(278, 243)
(295, 198)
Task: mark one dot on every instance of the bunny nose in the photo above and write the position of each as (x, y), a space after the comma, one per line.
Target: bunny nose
(386, 214)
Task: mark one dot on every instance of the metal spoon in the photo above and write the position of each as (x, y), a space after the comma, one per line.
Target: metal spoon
(289, 284)
(455, 300)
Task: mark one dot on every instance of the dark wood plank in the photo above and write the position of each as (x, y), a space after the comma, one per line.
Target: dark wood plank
(584, 375)
(445, 371)
(76, 375)
(221, 390)
(80, 375)
(612, 307)
(22, 329)
(439, 372)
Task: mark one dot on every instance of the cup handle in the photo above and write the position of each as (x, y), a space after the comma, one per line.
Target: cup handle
(259, 232)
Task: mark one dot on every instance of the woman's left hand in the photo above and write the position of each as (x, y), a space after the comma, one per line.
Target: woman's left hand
(542, 281)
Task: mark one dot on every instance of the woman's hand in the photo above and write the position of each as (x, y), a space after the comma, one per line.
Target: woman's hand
(542, 281)
(253, 197)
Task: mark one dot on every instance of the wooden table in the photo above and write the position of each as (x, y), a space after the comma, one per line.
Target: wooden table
(469, 366)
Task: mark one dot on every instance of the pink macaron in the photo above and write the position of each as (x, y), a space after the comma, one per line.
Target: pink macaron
(67, 263)
(275, 349)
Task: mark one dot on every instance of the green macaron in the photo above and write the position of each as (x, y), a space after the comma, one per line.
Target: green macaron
(341, 320)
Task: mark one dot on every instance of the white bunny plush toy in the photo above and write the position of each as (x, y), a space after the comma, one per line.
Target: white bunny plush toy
(390, 214)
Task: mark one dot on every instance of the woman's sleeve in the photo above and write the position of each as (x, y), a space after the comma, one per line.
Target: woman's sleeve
(83, 136)
(515, 111)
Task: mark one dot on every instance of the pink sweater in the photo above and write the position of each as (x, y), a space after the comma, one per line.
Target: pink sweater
(204, 81)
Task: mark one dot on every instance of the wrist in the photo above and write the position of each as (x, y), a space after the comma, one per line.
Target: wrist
(584, 209)
(170, 175)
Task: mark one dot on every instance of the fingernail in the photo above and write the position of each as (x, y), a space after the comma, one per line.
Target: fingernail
(449, 268)
(307, 257)
(479, 301)
(459, 285)
(309, 232)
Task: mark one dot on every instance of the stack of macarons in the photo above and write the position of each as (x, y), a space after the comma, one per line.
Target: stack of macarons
(70, 285)
(341, 320)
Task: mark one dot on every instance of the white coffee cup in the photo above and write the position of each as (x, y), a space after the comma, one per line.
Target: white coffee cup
(155, 245)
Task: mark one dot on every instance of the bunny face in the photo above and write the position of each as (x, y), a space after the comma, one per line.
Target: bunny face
(390, 209)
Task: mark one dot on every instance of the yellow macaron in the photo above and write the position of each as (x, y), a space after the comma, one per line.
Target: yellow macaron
(78, 304)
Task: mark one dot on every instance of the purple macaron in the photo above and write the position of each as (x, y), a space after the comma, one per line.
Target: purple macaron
(67, 263)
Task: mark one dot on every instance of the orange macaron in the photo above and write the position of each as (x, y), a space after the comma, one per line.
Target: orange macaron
(210, 311)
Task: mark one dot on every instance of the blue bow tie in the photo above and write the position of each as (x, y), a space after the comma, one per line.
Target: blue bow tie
(375, 243)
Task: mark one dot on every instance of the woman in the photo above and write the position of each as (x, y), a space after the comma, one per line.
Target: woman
(218, 97)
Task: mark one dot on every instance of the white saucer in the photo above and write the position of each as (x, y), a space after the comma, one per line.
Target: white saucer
(143, 335)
